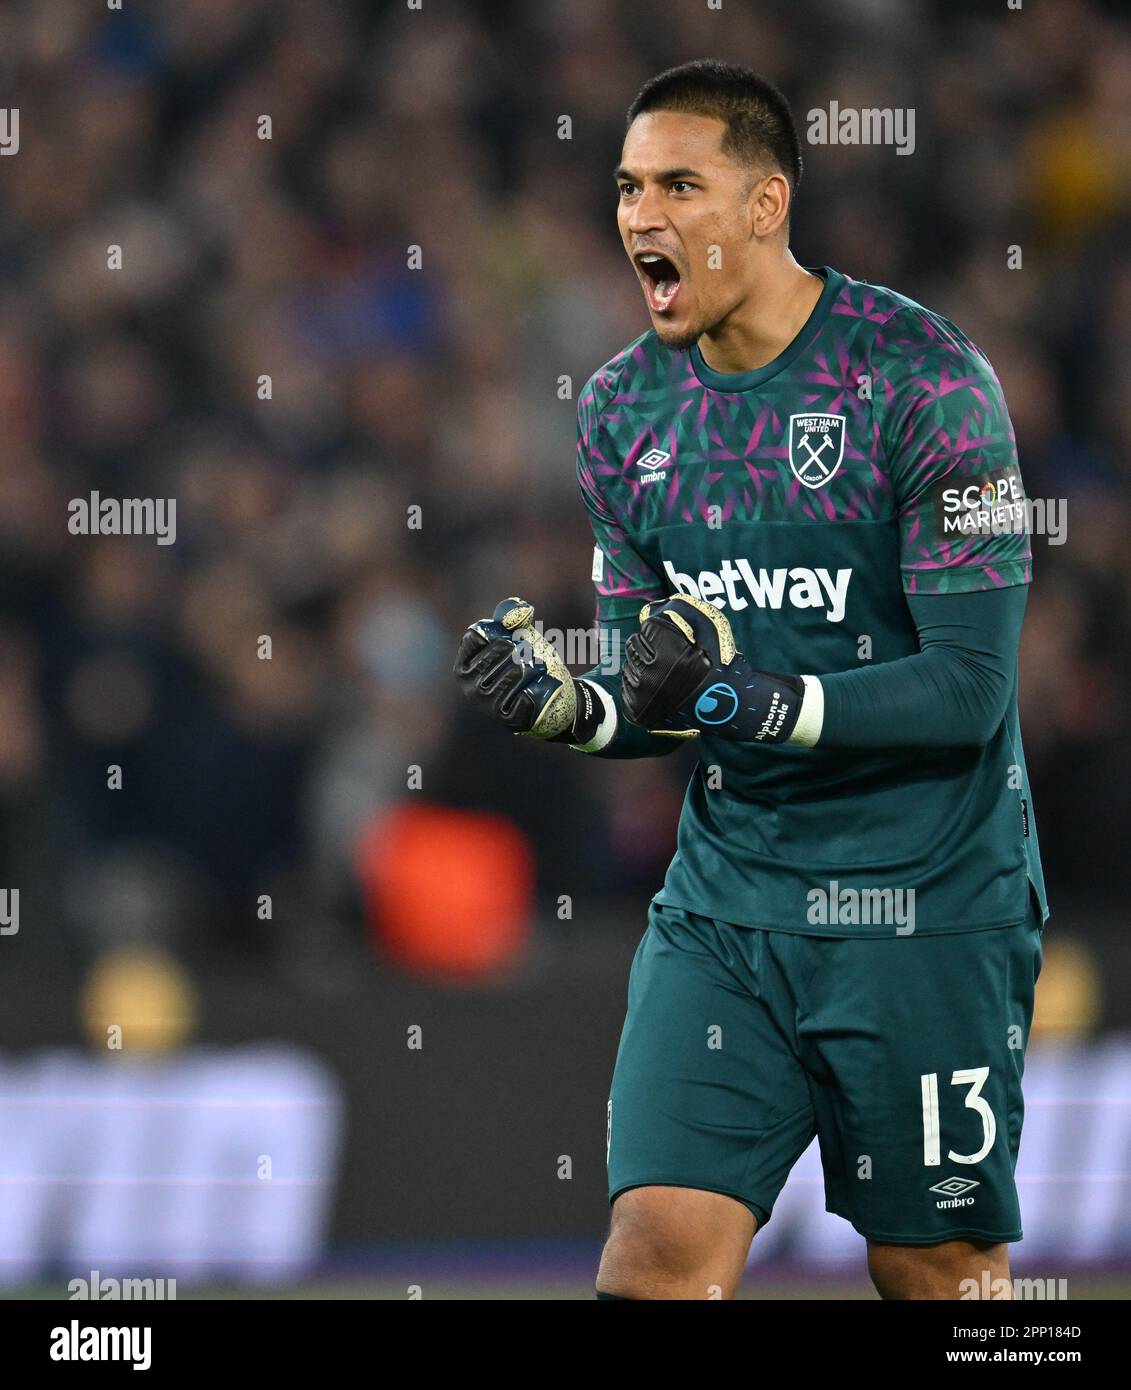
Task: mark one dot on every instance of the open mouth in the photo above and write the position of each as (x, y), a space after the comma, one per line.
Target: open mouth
(660, 279)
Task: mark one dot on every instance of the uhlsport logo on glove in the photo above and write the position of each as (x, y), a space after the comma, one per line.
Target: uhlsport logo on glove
(718, 704)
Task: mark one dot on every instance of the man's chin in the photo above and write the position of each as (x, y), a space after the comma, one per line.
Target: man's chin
(677, 338)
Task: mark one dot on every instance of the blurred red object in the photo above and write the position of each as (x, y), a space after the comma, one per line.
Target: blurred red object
(447, 892)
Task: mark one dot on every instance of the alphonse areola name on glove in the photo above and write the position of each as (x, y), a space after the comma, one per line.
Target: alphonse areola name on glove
(683, 672)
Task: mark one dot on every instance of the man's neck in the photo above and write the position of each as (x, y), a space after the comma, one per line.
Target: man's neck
(766, 322)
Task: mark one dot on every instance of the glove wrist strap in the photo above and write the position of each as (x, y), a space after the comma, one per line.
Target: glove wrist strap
(596, 720)
(811, 716)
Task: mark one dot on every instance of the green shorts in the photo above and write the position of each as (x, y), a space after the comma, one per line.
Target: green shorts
(903, 1055)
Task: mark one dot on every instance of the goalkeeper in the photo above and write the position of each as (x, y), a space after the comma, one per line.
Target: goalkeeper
(810, 547)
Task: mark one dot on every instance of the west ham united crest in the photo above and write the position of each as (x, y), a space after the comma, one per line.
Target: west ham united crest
(816, 447)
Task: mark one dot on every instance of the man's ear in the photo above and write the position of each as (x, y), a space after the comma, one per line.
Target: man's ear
(769, 203)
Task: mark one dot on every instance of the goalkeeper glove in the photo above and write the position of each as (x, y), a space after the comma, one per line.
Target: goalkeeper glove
(683, 671)
(535, 697)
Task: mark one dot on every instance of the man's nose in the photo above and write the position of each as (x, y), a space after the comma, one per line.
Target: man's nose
(647, 212)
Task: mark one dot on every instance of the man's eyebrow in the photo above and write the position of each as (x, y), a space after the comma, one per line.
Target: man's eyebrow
(668, 176)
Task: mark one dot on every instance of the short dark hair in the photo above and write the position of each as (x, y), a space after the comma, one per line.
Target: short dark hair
(759, 123)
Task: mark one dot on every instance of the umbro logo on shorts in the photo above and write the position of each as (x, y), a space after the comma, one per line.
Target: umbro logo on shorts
(953, 1189)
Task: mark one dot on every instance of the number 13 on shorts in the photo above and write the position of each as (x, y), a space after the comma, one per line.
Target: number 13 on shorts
(975, 1078)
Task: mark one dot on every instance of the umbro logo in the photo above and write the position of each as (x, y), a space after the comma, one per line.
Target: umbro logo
(953, 1189)
(653, 464)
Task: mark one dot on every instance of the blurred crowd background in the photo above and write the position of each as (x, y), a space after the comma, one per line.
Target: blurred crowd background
(438, 387)
(398, 384)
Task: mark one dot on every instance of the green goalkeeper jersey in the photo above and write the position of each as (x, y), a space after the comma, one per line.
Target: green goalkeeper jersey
(873, 458)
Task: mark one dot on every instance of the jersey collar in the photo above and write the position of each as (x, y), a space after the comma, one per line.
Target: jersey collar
(743, 381)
